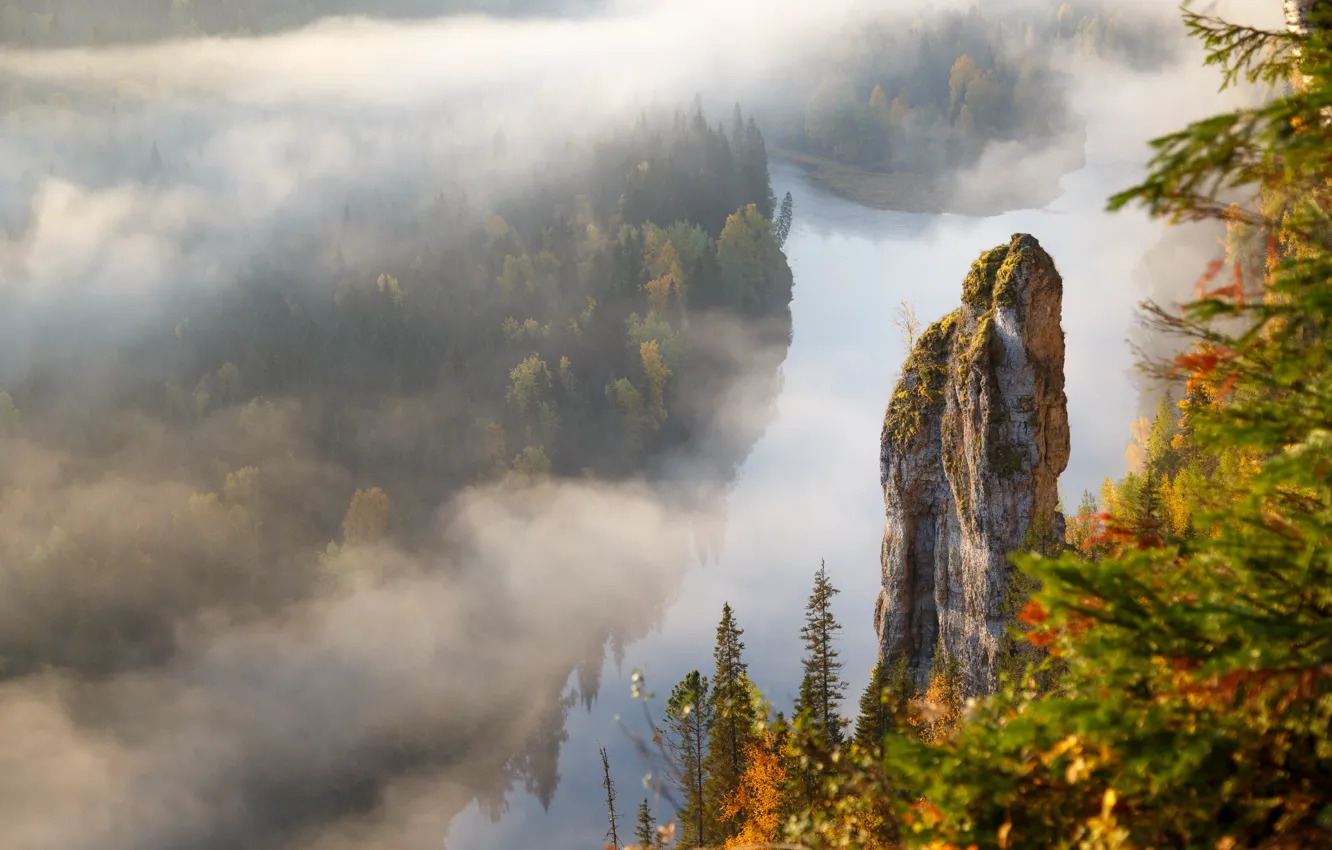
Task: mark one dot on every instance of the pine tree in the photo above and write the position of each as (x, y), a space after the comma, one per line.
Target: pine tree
(822, 688)
(885, 705)
(688, 728)
(733, 720)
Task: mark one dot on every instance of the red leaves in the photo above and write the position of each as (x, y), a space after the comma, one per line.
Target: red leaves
(1202, 361)
(1033, 614)
(1201, 364)
(1287, 685)
(1213, 269)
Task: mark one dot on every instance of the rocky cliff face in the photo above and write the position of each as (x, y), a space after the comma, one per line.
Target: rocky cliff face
(974, 440)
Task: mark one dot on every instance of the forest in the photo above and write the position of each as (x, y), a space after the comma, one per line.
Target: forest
(1168, 679)
(276, 436)
(68, 23)
(925, 98)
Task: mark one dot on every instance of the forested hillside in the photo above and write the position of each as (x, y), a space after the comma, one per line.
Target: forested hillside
(244, 443)
(552, 335)
(925, 97)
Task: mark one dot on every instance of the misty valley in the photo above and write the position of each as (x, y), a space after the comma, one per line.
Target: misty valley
(643, 424)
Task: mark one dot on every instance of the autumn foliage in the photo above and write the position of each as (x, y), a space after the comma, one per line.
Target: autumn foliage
(755, 805)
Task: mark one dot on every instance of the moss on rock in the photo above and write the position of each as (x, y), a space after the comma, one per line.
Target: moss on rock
(969, 351)
(978, 287)
(992, 281)
(924, 375)
(1005, 282)
(1008, 460)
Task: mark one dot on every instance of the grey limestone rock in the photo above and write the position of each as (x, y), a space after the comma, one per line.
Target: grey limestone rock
(974, 440)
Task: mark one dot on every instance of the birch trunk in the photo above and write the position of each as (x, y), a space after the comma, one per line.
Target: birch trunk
(1297, 15)
(1297, 22)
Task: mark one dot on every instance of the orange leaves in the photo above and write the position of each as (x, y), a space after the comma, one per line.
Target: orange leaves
(1033, 614)
(1202, 364)
(1213, 269)
(659, 290)
(1076, 626)
(756, 802)
(1203, 360)
(1218, 691)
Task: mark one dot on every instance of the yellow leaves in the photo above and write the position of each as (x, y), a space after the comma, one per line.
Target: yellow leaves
(367, 517)
(662, 262)
(1178, 506)
(388, 284)
(1136, 454)
(242, 485)
(656, 372)
(1069, 743)
(756, 802)
(1003, 833)
(1104, 832)
(938, 714)
(659, 290)
(1075, 771)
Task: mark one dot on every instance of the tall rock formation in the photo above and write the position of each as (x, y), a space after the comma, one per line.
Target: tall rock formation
(974, 440)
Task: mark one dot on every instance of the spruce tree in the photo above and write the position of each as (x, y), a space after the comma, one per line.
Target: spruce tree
(646, 831)
(822, 688)
(686, 734)
(733, 721)
(781, 228)
(885, 704)
(756, 152)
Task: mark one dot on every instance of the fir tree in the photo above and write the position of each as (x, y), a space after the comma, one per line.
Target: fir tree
(733, 721)
(688, 728)
(822, 688)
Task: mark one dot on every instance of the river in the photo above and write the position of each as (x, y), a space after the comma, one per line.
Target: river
(810, 488)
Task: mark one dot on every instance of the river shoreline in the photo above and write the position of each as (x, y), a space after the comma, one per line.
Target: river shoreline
(915, 193)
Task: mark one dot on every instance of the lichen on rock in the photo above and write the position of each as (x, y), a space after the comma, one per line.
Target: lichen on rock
(974, 439)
